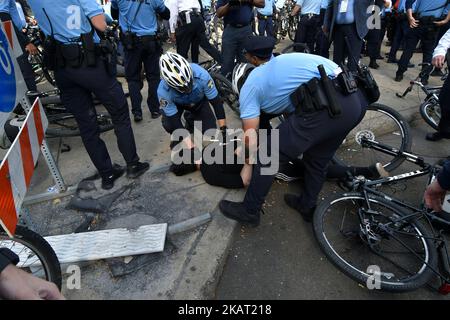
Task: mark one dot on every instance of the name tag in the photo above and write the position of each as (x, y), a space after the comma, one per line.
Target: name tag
(344, 6)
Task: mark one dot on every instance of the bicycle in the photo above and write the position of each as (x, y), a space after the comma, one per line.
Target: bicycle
(37, 62)
(368, 234)
(36, 255)
(430, 109)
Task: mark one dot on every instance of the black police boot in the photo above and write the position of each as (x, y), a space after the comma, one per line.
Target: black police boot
(293, 202)
(373, 64)
(436, 136)
(237, 211)
(137, 117)
(108, 181)
(156, 114)
(136, 170)
(399, 76)
(287, 173)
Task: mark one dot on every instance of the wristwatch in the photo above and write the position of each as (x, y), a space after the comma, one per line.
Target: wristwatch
(7, 257)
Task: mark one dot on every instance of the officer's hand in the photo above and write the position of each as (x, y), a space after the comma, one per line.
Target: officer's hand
(32, 21)
(413, 23)
(441, 23)
(434, 196)
(16, 284)
(31, 49)
(438, 61)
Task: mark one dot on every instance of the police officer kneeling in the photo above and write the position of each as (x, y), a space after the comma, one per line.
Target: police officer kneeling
(322, 112)
(83, 66)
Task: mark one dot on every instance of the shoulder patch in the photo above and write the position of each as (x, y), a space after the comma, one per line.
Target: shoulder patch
(163, 103)
(210, 83)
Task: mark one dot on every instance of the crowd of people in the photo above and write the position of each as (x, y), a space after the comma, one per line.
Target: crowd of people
(316, 96)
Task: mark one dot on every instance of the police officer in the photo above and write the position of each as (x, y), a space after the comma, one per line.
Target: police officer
(139, 25)
(80, 71)
(375, 37)
(310, 132)
(424, 22)
(237, 16)
(401, 31)
(188, 89)
(265, 19)
(308, 24)
(348, 19)
(9, 12)
(188, 29)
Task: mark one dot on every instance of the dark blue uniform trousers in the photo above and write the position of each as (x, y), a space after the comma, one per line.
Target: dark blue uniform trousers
(265, 26)
(133, 67)
(307, 30)
(341, 50)
(77, 86)
(232, 45)
(399, 37)
(426, 33)
(316, 136)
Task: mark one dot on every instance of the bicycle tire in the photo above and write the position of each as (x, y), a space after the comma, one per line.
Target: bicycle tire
(409, 284)
(104, 121)
(401, 125)
(225, 89)
(428, 107)
(41, 248)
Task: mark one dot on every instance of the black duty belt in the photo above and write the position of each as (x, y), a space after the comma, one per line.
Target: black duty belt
(263, 16)
(309, 15)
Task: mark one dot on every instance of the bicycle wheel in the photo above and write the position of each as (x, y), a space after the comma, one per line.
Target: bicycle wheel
(226, 92)
(292, 28)
(36, 255)
(64, 125)
(399, 248)
(431, 112)
(383, 124)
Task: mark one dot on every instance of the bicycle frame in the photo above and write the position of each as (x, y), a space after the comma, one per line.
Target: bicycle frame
(367, 187)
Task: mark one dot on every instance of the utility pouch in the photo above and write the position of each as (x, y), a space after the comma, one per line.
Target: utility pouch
(109, 55)
(128, 40)
(87, 41)
(302, 101)
(347, 81)
(50, 53)
(368, 85)
(72, 55)
(317, 94)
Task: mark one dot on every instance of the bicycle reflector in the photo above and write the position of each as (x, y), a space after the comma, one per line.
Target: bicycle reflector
(444, 289)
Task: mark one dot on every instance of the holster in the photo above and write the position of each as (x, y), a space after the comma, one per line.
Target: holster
(89, 53)
(50, 53)
(109, 56)
(368, 85)
(346, 80)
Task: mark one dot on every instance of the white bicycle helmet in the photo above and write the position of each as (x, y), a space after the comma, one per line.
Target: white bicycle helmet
(176, 72)
(240, 74)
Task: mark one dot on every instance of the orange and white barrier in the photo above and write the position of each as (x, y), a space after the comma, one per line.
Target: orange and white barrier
(17, 168)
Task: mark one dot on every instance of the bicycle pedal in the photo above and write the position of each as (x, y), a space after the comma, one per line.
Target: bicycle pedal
(444, 289)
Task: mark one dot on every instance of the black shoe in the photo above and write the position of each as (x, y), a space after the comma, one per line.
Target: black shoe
(292, 201)
(392, 61)
(237, 211)
(374, 65)
(108, 181)
(399, 77)
(287, 173)
(436, 136)
(156, 114)
(437, 73)
(137, 117)
(136, 170)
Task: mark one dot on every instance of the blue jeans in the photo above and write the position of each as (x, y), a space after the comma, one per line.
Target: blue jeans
(265, 26)
(232, 42)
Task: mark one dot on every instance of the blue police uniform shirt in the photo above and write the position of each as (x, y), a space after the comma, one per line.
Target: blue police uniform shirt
(268, 8)
(324, 4)
(309, 6)
(269, 86)
(206, 3)
(348, 16)
(145, 23)
(431, 8)
(9, 6)
(203, 86)
(238, 15)
(69, 18)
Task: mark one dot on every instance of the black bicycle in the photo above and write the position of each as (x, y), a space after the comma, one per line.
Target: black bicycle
(430, 109)
(36, 255)
(382, 242)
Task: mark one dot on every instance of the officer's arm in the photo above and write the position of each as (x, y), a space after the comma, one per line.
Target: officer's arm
(222, 9)
(250, 127)
(219, 110)
(99, 22)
